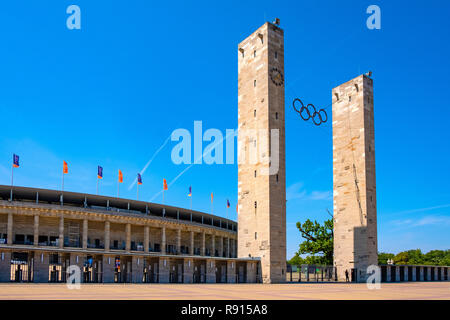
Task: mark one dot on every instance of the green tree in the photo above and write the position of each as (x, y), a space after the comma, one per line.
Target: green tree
(318, 241)
(384, 257)
(401, 258)
(296, 260)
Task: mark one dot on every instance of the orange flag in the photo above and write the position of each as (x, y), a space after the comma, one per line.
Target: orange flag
(165, 187)
(212, 197)
(120, 176)
(65, 167)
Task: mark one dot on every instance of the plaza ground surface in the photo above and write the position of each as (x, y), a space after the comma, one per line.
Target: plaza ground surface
(406, 290)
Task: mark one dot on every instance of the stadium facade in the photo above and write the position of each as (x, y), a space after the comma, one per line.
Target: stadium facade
(43, 232)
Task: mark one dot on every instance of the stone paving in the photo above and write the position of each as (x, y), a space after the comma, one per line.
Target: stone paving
(305, 291)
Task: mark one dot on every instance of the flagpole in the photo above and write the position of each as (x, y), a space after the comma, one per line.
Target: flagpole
(163, 195)
(191, 201)
(118, 184)
(137, 191)
(97, 185)
(12, 181)
(62, 188)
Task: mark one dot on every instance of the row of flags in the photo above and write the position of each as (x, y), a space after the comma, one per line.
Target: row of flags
(16, 164)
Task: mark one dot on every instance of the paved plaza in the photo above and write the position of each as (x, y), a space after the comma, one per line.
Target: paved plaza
(306, 291)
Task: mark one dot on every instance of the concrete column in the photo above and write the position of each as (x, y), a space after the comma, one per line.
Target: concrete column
(414, 274)
(163, 241)
(210, 271)
(108, 269)
(146, 238)
(436, 276)
(428, 273)
(107, 236)
(128, 237)
(203, 243)
(73, 261)
(188, 270)
(40, 268)
(233, 248)
(164, 270)
(421, 274)
(221, 247)
(228, 248)
(10, 228)
(5, 266)
(61, 232)
(137, 269)
(213, 245)
(442, 273)
(178, 241)
(85, 233)
(191, 247)
(388, 274)
(231, 272)
(251, 272)
(36, 230)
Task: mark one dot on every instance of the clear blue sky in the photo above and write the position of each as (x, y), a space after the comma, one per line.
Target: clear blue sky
(111, 93)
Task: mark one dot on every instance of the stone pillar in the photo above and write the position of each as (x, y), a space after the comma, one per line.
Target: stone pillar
(210, 271)
(146, 238)
(436, 276)
(428, 273)
(128, 237)
(85, 233)
(36, 230)
(178, 239)
(137, 269)
(442, 273)
(414, 274)
(192, 244)
(107, 236)
(40, 268)
(213, 245)
(164, 270)
(221, 247)
(188, 270)
(397, 274)
(231, 272)
(108, 269)
(228, 248)
(73, 261)
(5, 266)
(203, 243)
(10, 228)
(421, 274)
(61, 232)
(233, 248)
(163, 241)
(251, 272)
(388, 274)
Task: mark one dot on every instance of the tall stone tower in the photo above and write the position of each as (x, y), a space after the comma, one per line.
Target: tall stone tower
(354, 186)
(261, 148)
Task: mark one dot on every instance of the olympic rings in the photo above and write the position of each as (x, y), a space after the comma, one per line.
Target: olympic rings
(310, 112)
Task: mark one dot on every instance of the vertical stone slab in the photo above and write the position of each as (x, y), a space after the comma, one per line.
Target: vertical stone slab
(61, 232)
(85, 233)
(414, 274)
(422, 275)
(210, 271)
(10, 228)
(203, 243)
(388, 274)
(163, 240)
(213, 245)
(128, 237)
(231, 271)
(188, 270)
(436, 276)
(397, 274)
(5, 266)
(178, 240)
(164, 271)
(36, 230)
(251, 272)
(107, 235)
(354, 185)
(406, 273)
(261, 151)
(108, 268)
(137, 269)
(41, 265)
(146, 238)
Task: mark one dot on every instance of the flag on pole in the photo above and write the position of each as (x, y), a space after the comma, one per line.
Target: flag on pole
(15, 161)
(100, 172)
(65, 167)
(212, 197)
(228, 203)
(237, 208)
(190, 192)
(165, 187)
(120, 176)
(139, 178)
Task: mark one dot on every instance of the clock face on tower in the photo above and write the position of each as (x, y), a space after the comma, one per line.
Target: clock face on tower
(276, 76)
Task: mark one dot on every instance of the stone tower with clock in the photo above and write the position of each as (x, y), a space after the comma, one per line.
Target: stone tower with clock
(261, 152)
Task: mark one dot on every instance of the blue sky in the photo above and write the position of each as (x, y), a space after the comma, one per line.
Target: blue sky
(111, 93)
